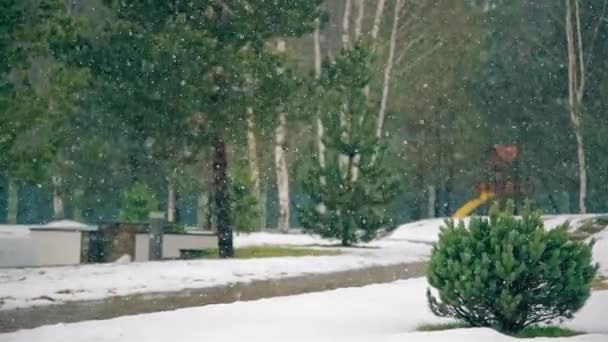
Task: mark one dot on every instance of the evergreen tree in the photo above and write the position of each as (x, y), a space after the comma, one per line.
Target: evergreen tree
(174, 77)
(344, 206)
(244, 202)
(508, 273)
(137, 203)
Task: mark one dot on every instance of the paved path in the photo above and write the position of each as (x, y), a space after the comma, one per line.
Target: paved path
(76, 311)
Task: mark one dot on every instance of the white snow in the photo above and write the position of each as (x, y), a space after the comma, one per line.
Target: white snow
(14, 231)
(389, 312)
(261, 239)
(34, 286)
(410, 242)
(428, 230)
(600, 251)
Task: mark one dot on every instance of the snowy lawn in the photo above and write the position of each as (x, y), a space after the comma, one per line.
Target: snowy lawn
(388, 312)
(53, 285)
(409, 243)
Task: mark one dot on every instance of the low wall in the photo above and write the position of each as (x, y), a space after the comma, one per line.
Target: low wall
(16, 249)
(56, 247)
(172, 243)
(34, 248)
(27, 318)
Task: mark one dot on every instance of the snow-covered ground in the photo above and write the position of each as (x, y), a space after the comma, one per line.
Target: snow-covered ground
(410, 242)
(427, 231)
(52, 285)
(388, 312)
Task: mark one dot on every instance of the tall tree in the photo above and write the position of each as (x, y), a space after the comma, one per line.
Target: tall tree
(189, 86)
(579, 57)
(353, 210)
(280, 155)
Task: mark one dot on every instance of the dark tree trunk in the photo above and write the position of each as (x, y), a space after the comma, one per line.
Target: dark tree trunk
(222, 201)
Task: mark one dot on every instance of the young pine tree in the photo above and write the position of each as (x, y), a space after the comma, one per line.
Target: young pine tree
(349, 194)
(508, 273)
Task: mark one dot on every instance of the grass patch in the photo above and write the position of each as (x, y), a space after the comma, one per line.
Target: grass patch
(548, 331)
(600, 283)
(529, 332)
(441, 326)
(262, 252)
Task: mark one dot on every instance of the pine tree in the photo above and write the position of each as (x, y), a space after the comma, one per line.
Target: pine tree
(508, 273)
(175, 75)
(342, 206)
(245, 207)
(137, 203)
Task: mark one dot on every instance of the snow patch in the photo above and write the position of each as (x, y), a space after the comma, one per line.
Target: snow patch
(387, 312)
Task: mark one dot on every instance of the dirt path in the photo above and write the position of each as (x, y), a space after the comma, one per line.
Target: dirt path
(76, 311)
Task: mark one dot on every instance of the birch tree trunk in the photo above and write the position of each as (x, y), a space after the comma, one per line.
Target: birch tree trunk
(170, 203)
(359, 22)
(346, 25)
(254, 169)
(282, 174)
(374, 33)
(280, 159)
(432, 201)
(320, 128)
(12, 202)
(201, 211)
(358, 31)
(576, 89)
(58, 204)
(388, 69)
(377, 19)
(343, 160)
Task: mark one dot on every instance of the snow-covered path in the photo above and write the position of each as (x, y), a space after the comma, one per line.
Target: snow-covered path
(388, 312)
(53, 285)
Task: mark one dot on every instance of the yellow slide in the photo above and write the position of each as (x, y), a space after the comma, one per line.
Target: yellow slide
(473, 204)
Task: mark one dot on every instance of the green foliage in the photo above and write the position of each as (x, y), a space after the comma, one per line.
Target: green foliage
(245, 206)
(137, 203)
(349, 196)
(508, 273)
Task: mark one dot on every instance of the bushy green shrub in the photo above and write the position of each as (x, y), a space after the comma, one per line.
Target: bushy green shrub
(508, 273)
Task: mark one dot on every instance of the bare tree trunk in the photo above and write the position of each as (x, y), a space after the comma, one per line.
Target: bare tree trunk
(12, 202)
(388, 69)
(377, 19)
(374, 33)
(201, 211)
(254, 170)
(320, 128)
(346, 25)
(343, 160)
(58, 204)
(576, 88)
(359, 22)
(222, 198)
(280, 158)
(170, 203)
(358, 31)
(432, 201)
(282, 174)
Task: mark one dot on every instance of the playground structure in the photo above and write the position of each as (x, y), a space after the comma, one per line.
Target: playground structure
(503, 179)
